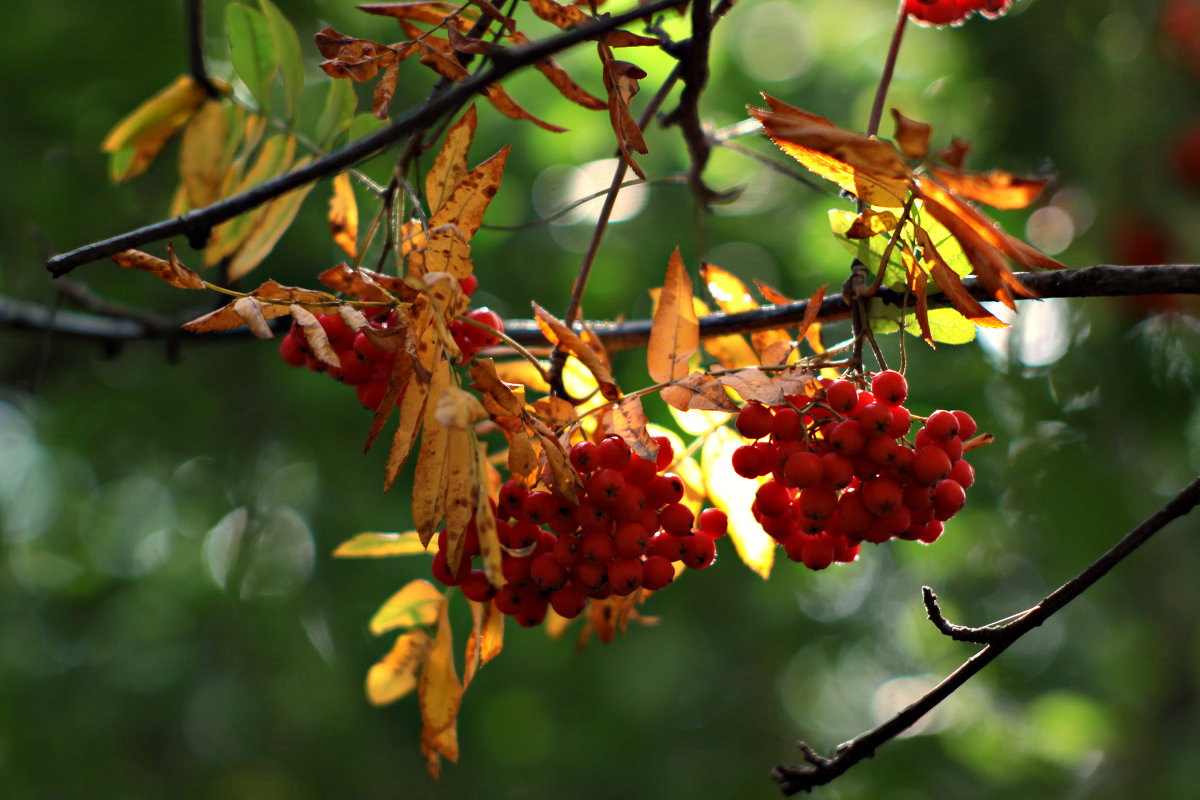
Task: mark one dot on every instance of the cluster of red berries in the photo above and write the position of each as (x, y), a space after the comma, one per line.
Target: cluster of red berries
(366, 366)
(841, 472)
(627, 532)
(953, 12)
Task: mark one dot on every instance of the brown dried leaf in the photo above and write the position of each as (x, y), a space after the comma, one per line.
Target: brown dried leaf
(170, 270)
(621, 82)
(450, 164)
(343, 215)
(432, 13)
(395, 675)
(226, 318)
(485, 524)
(251, 313)
(869, 168)
(367, 285)
(753, 384)
(567, 87)
(911, 136)
(381, 101)
(398, 380)
(675, 330)
(469, 200)
(413, 404)
(995, 188)
(445, 65)
(559, 334)
(869, 223)
(629, 422)
(487, 380)
(314, 333)
(953, 155)
(917, 280)
(504, 103)
(951, 285)
(701, 391)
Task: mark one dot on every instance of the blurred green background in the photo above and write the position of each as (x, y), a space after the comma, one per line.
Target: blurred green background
(172, 624)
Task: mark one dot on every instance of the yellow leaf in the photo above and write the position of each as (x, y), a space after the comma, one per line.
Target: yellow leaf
(675, 330)
(734, 495)
(471, 656)
(485, 525)
(273, 158)
(492, 637)
(151, 125)
(428, 480)
(556, 331)
(379, 545)
(343, 215)
(202, 154)
(396, 673)
(416, 604)
(466, 205)
(439, 689)
(450, 164)
(269, 228)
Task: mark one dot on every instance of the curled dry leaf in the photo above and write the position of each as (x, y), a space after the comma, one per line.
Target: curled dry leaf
(314, 333)
(170, 269)
(556, 331)
(251, 312)
(629, 422)
(912, 137)
(699, 391)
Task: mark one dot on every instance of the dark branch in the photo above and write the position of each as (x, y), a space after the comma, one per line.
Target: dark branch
(195, 23)
(818, 771)
(196, 224)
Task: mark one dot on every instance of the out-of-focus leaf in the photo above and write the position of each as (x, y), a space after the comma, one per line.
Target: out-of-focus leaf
(950, 284)
(287, 47)
(556, 331)
(140, 135)
(870, 223)
(954, 154)
(868, 168)
(869, 251)
(273, 158)
(504, 103)
(417, 603)
(487, 380)
(395, 675)
(380, 545)
(384, 90)
(337, 114)
(470, 198)
(266, 234)
(450, 163)
(995, 188)
(170, 270)
(912, 137)
(439, 689)
(252, 50)
(202, 154)
(731, 295)
(343, 215)
(734, 495)
(251, 312)
(675, 330)
(524, 373)
(945, 325)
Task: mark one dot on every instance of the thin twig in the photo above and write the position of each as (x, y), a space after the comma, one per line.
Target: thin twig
(818, 771)
(195, 34)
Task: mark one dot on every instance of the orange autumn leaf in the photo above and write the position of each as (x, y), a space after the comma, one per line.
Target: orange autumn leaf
(629, 421)
(912, 137)
(699, 391)
(343, 215)
(732, 296)
(439, 690)
(951, 285)
(276, 297)
(450, 164)
(994, 188)
(675, 330)
(469, 199)
(557, 333)
(868, 168)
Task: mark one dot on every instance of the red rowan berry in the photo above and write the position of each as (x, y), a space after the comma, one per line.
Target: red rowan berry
(657, 572)
(966, 424)
(930, 465)
(900, 468)
(841, 396)
(714, 522)
(803, 469)
(443, 574)
(881, 450)
(889, 387)
(754, 420)
(631, 540)
(852, 514)
(290, 349)
(844, 552)
(962, 473)
(598, 548)
(509, 599)
(370, 393)
(788, 425)
(778, 528)
(881, 495)
(539, 507)
(875, 418)
(793, 545)
(532, 610)
(625, 575)
(664, 490)
(917, 496)
(847, 437)
(569, 601)
(666, 453)
(699, 552)
(953, 448)
(676, 519)
(639, 472)
(605, 486)
(568, 550)
(666, 545)
(585, 457)
(931, 531)
(476, 338)
(817, 552)
(948, 499)
(816, 503)
(591, 576)
(336, 331)
(772, 499)
(510, 498)
(468, 284)
(547, 572)
(614, 453)
(901, 422)
(523, 535)
(476, 586)
(367, 350)
(593, 517)
(895, 523)
(630, 504)
(748, 462)
(942, 426)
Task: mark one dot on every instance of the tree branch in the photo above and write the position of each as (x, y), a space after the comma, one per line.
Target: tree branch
(819, 770)
(197, 224)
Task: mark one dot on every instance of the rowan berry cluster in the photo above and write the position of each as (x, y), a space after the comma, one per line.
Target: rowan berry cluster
(628, 531)
(953, 12)
(366, 366)
(842, 472)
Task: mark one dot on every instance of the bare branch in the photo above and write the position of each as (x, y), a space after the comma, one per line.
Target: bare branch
(818, 771)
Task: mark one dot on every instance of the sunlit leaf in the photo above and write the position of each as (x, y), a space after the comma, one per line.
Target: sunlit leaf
(559, 334)
(699, 391)
(734, 495)
(629, 422)
(470, 198)
(732, 296)
(343, 215)
(952, 286)
(439, 689)
(868, 168)
(417, 603)
(912, 137)
(450, 164)
(395, 675)
(675, 330)
(380, 545)
(995, 188)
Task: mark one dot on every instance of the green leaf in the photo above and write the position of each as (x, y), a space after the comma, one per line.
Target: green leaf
(417, 603)
(869, 251)
(287, 45)
(365, 124)
(945, 324)
(252, 48)
(338, 113)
